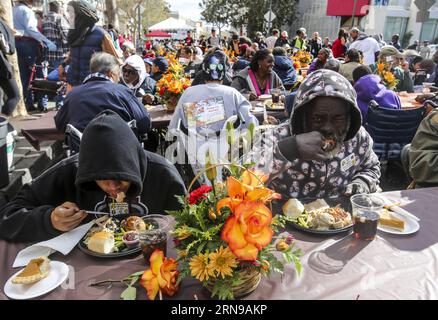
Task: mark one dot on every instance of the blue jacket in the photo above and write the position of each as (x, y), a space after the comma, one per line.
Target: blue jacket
(284, 68)
(84, 102)
(81, 55)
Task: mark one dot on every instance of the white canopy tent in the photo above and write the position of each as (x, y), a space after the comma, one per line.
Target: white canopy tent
(171, 24)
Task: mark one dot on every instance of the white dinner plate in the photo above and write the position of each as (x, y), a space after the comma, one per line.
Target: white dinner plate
(411, 226)
(57, 275)
(258, 108)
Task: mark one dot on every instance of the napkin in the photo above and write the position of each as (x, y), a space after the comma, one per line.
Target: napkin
(63, 243)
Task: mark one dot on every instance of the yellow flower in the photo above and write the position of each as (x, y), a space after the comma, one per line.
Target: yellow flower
(222, 261)
(282, 245)
(211, 214)
(389, 76)
(200, 267)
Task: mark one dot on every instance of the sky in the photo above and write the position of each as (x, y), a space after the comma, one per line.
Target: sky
(188, 8)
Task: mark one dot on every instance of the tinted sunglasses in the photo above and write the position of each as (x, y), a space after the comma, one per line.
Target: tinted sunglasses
(214, 66)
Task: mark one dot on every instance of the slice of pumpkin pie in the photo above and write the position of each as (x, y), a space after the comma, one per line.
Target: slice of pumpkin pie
(35, 270)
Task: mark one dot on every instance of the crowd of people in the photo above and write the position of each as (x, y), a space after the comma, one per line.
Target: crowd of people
(110, 83)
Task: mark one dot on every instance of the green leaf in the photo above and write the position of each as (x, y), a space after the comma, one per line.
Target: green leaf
(130, 293)
(298, 265)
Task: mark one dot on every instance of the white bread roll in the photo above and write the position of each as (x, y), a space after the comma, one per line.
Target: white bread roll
(102, 242)
(293, 208)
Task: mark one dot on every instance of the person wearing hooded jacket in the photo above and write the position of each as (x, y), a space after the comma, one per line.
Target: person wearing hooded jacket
(84, 38)
(101, 91)
(134, 76)
(368, 87)
(284, 68)
(322, 151)
(56, 201)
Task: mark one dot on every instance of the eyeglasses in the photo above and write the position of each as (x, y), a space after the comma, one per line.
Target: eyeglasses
(213, 67)
(129, 71)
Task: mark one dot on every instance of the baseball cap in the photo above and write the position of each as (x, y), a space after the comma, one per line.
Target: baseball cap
(161, 63)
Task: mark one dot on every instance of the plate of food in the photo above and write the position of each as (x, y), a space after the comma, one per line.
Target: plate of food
(39, 277)
(395, 223)
(270, 106)
(330, 216)
(112, 237)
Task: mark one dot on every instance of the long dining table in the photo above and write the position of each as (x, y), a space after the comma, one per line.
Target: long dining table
(43, 128)
(334, 267)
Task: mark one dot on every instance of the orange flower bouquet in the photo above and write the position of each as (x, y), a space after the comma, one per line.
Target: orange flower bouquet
(303, 57)
(172, 85)
(224, 235)
(388, 78)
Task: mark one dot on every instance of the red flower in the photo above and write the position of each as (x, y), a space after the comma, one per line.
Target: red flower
(162, 91)
(185, 86)
(198, 194)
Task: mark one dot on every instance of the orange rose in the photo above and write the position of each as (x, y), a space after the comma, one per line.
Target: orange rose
(249, 188)
(161, 276)
(248, 230)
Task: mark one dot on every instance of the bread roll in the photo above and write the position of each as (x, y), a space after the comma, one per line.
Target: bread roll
(102, 242)
(293, 208)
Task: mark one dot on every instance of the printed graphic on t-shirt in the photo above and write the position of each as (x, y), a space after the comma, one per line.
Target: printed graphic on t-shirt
(205, 112)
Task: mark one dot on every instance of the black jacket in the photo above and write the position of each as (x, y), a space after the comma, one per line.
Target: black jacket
(5, 67)
(109, 151)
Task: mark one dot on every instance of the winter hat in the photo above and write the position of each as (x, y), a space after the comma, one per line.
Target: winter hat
(161, 63)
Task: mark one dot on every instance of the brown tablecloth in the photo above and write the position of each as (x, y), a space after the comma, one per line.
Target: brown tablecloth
(334, 267)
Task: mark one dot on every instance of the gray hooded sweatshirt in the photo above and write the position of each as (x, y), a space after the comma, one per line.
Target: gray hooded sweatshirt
(355, 161)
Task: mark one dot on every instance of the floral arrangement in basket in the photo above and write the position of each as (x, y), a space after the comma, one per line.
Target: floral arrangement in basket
(224, 235)
(303, 58)
(172, 85)
(388, 78)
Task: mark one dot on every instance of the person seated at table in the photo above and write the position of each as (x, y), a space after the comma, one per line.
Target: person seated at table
(323, 55)
(92, 180)
(258, 78)
(423, 153)
(186, 59)
(284, 67)
(134, 76)
(369, 87)
(398, 66)
(229, 100)
(159, 68)
(200, 76)
(243, 61)
(332, 64)
(322, 151)
(101, 91)
(352, 61)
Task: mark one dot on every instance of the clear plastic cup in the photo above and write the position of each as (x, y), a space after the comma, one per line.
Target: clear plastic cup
(154, 236)
(275, 94)
(366, 214)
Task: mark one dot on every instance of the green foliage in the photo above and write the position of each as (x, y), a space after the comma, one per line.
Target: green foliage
(130, 293)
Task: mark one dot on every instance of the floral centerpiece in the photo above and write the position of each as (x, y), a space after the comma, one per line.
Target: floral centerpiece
(224, 235)
(231, 56)
(388, 78)
(172, 85)
(303, 58)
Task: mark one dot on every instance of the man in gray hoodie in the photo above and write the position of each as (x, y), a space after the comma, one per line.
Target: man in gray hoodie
(322, 151)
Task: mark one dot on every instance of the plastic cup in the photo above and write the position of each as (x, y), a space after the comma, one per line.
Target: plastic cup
(275, 94)
(366, 214)
(155, 235)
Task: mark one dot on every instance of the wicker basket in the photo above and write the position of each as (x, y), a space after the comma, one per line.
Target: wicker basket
(250, 281)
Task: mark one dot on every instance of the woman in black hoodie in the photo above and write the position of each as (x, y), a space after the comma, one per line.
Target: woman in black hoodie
(110, 161)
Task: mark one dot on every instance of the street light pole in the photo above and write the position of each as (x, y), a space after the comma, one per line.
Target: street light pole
(354, 12)
(139, 26)
(270, 19)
